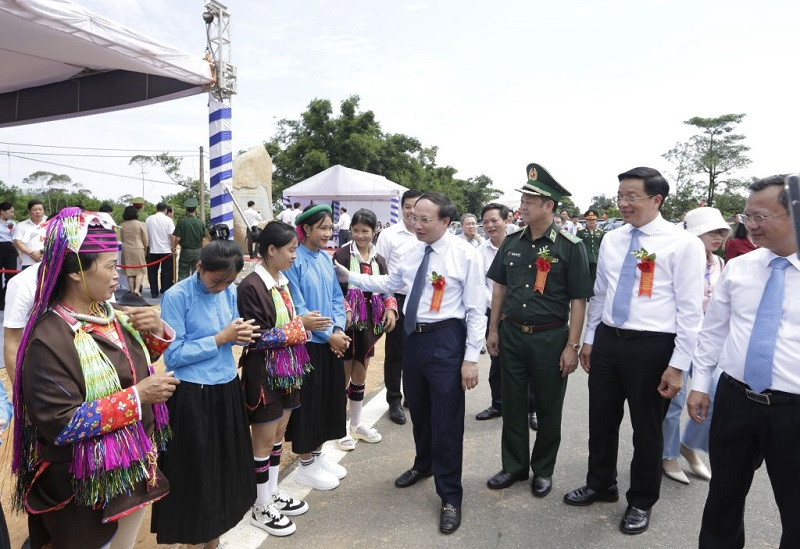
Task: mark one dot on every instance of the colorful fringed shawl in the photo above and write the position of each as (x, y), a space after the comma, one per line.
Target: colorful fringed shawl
(111, 451)
(358, 303)
(285, 355)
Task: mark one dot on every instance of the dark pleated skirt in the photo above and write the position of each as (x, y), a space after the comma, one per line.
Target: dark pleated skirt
(209, 464)
(321, 415)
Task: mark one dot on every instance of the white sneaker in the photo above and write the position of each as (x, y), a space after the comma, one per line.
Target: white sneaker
(289, 506)
(270, 519)
(334, 468)
(316, 476)
(362, 432)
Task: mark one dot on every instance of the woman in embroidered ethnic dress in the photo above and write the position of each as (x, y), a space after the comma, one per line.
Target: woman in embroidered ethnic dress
(372, 316)
(273, 370)
(209, 463)
(91, 411)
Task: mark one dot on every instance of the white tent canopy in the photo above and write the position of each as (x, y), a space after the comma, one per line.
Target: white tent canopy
(60, 60)
(353, 189)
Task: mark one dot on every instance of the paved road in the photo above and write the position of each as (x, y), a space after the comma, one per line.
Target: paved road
(366, 510)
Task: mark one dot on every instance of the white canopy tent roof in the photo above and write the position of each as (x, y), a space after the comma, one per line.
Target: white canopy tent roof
(60, 60)
(343, 184)
(353, 189)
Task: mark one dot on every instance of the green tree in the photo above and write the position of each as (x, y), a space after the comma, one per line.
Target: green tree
(318, 140)
(716, 150)
(604, 204)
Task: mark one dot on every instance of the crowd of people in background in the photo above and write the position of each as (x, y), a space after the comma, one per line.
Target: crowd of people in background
(651, 311)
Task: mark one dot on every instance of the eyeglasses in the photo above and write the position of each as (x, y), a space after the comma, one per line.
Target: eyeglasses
(757, 219)
(423, 220)
(631, 198)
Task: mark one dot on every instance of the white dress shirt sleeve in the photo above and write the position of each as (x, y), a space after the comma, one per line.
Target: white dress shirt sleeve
(475, 307)
(596, 304)
(716, 326)
(689, 286)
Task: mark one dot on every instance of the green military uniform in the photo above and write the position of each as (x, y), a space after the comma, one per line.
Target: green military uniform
(191, 232)
(592, 242)
(533, 356)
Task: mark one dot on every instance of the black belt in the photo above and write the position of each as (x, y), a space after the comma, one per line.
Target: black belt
(630, 334)
(433, 326)
(533, 328)
(766, 398)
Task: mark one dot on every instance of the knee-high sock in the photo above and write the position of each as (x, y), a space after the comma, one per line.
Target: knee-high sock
(274, 467)
(356, 395)
(263, 493)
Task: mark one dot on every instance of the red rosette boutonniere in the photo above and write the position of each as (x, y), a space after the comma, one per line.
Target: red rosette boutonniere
(543, 265)
(438, 282)
(647, 264)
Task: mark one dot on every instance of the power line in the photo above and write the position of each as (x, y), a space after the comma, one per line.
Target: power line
(11, 155)
(93, 148)
(93, 155)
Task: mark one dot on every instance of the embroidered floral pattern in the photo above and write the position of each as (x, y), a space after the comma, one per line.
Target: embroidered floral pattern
(101, 416)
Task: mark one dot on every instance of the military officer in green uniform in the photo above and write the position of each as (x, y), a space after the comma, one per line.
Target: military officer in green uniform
(189, 233)
(541, 280)
(591, 237)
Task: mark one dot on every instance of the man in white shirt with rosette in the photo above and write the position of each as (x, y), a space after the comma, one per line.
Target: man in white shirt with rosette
(444, 326)
(752, 332)
(640, 336)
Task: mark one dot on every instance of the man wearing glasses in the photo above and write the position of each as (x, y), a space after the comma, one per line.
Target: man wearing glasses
(751, 331)
(640, 335)
(444, 327)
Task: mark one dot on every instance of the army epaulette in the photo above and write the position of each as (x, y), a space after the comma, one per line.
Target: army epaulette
(569, 236)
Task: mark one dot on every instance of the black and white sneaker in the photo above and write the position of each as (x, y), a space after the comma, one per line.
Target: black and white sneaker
(289, 506)
(270, 519)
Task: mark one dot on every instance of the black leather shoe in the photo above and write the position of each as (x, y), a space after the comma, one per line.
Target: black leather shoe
(410, 478)
(450, 519)
(397, 414)
(533, 421)
(635, 521)
(488, 413)
(504, 480)
(586, 496)
(541, 486)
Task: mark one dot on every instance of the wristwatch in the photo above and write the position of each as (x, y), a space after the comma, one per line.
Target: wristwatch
(575, 346)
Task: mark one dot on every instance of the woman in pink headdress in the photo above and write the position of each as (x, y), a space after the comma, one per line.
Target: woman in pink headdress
(91, 418)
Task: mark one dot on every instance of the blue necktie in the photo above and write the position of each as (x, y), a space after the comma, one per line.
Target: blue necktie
(410, 321)
(621, 307)
(761, 349)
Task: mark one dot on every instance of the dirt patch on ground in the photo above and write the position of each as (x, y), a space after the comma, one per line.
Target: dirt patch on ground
(17, 522)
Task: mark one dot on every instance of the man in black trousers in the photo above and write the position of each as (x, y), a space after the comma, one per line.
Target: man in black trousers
(444, 327)
(391, 245)
(750, 332)
(640, 335)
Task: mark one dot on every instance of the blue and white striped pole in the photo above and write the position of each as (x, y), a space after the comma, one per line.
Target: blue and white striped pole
(394, 205)
(219, 130)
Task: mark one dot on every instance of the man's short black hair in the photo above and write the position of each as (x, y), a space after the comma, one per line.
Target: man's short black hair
(446, 207)
(773, 181)
(5, 206)
(502, 210)
(250, 203)
(654, 182)
(161, 207)
(296, 205)
(34, 202)
(409, 194)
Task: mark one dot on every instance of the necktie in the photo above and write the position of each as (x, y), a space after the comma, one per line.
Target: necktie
(761, 349)
(410, 321)
(621, 307)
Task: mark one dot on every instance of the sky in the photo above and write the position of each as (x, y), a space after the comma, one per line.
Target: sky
(586, 89)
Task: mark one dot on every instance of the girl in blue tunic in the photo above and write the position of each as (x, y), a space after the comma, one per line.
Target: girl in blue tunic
(209, 463)
(321, 416)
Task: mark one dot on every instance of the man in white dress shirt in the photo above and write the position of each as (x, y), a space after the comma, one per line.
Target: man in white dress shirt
(252, 218)
(469, 230)
(159, 230)
(444, 324)
(29, 235)
(751, 332)
(640, 335)
(343, 225)
(391, 245)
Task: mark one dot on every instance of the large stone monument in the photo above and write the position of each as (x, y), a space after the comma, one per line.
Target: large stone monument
(252, 180)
